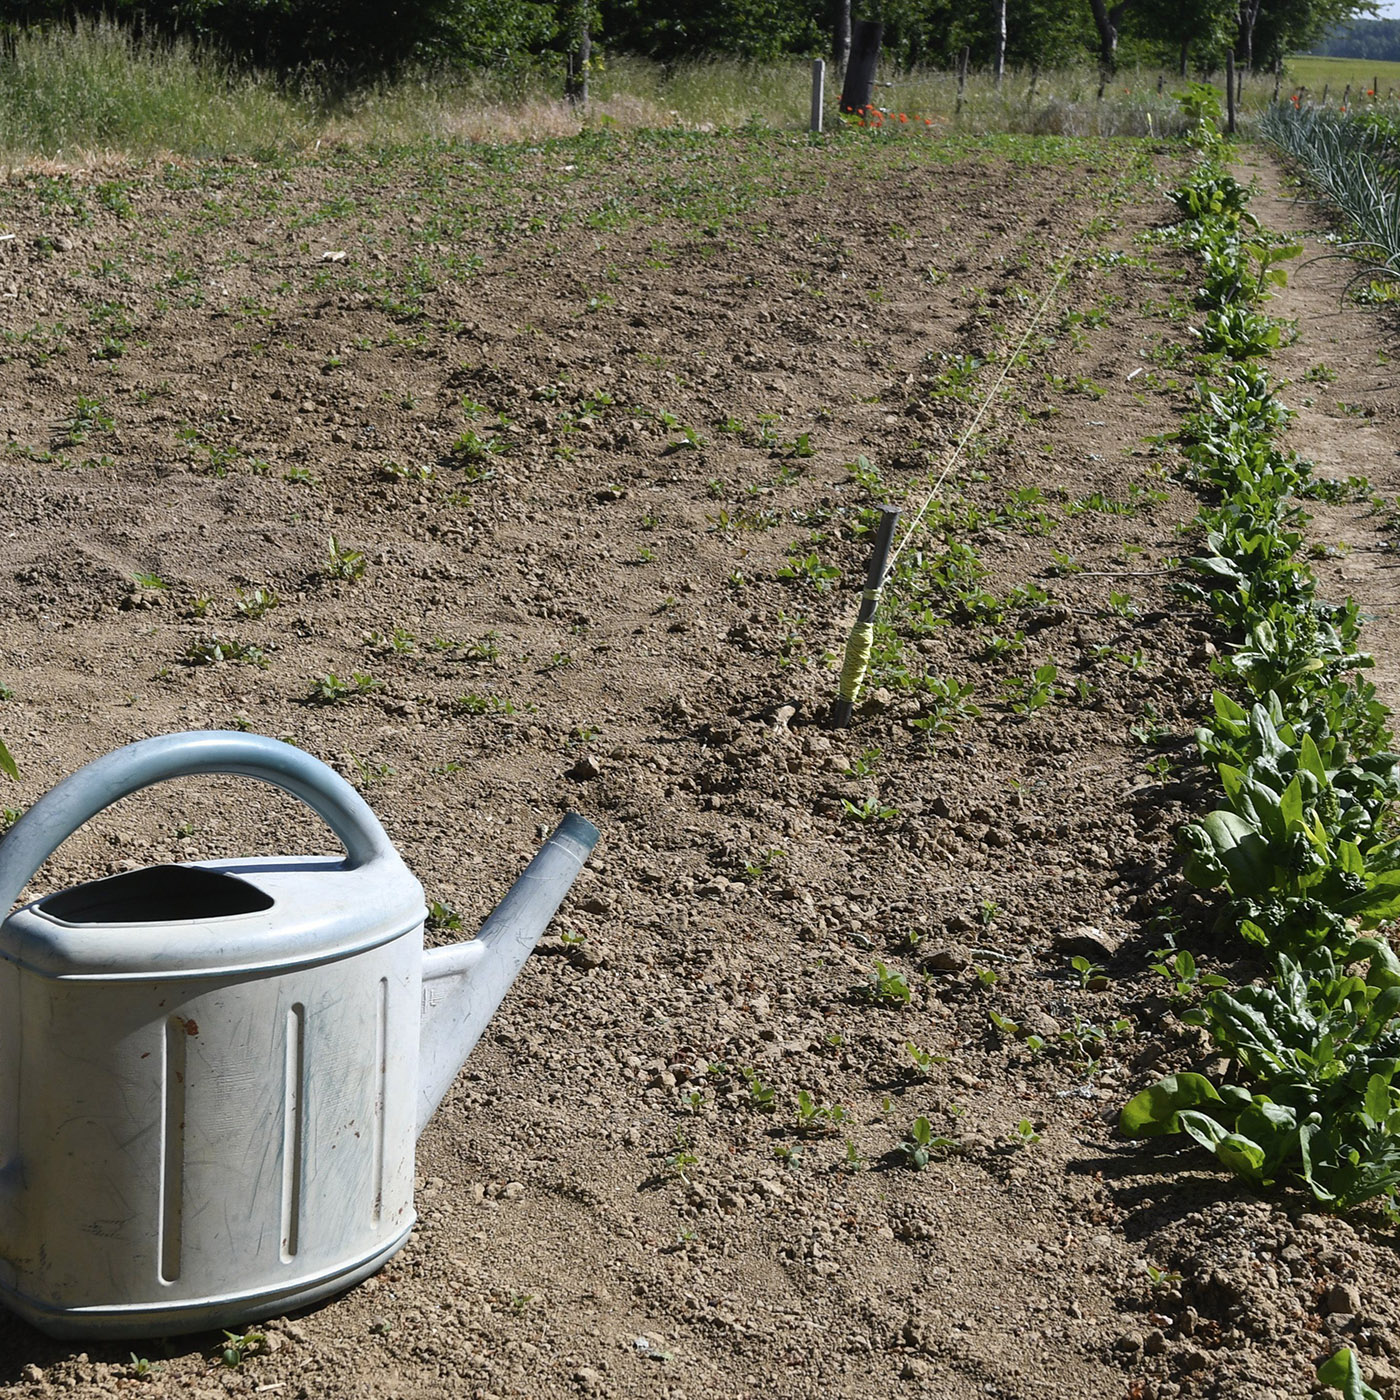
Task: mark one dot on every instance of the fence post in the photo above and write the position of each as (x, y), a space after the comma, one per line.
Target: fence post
(859, 85)
(818, 95)
(1230, 91)
(962, 80)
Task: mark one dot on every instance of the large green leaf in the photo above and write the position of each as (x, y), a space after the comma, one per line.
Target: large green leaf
(1154, 1111)
(1344, 1371)
(7, 764)
(1237, 845)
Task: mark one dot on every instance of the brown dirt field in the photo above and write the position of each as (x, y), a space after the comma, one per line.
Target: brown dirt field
(196, 398)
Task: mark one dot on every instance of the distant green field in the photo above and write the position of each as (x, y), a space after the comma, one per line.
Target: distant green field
(1335, 73)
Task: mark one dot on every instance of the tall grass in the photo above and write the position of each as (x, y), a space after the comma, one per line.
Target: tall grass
(93, 91)
(70, 93)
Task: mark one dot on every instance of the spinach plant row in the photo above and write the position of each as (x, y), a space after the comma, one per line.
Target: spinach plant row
(1301, 846)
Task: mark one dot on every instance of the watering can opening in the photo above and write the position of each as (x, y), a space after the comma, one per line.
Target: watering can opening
(157, 894)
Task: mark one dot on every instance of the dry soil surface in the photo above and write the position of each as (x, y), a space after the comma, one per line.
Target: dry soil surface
(548, 459)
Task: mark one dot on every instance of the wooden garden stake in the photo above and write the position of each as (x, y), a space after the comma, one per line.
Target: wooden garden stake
(1230, 91)
(962, 80)
(818, 95)
(862, 637)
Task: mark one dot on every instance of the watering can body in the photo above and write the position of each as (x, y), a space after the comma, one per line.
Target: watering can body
(216, 1069)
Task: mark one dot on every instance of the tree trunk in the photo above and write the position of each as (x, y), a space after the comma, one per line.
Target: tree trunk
(859, 86)
(999, 70)
(1249, 14)
(1108, 38)
(576, 82)
(841, 35)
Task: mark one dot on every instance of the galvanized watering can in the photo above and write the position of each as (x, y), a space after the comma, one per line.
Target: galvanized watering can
(214, 1074)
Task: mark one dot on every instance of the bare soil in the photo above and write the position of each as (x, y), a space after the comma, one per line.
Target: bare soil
(678, 346)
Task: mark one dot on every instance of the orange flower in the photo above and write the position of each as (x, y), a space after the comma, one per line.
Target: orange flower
(902, 117)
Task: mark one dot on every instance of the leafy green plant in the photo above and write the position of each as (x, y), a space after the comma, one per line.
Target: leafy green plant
(1089, 973)
(342, 562)
(762, 1096)
(1026, 695)
(919, 1143)
(333, 690)
(924, 1060)
(868, 809)
(886, 986)
(681, 1160)
(809, 569)
(208, 651)
(239, 1346)
(258, 603)
(814, 1116)
(1342, 1371)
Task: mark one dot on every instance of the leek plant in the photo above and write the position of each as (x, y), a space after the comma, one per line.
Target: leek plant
(1354, 164)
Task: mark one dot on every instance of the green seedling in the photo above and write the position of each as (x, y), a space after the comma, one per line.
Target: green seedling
(443, 918)
(1025, 1134)
(924, 1060)
(473, 704)
(332, 689)
(238, 1346)
(919, 1143)
(681, 1160)
(342, 562)
(485, 648)
(1181, 971)
(864, 764)
(758, 866)
(813, 1117)
(209, 651)
(258, 603)
(809, 569)
(762, 1096)
(1090, 974)
(143, 1369)
(1027, 695)
(870, 809)
(400, 640)
(886, 987)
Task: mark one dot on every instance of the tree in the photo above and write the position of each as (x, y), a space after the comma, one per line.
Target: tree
(1108, 20)
(841, 34)
(1281, 27)
(1208, 26)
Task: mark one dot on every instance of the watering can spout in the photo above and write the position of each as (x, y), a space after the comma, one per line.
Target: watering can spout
(464, 983)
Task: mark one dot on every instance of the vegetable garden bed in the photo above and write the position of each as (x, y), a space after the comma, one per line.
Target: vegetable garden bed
(555, 489)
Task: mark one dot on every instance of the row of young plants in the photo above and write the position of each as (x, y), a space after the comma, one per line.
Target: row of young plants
(1302, 846)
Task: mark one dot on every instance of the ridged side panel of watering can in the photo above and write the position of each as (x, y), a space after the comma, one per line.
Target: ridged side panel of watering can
(241, 1138)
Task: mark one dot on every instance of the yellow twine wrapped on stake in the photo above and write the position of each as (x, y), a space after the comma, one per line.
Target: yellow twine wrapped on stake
(857, 662)
(861, 640)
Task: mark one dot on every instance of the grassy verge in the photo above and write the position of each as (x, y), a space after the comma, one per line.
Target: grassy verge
(94, 91)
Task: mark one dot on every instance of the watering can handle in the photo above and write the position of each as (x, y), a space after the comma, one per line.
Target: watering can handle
(95, 786)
